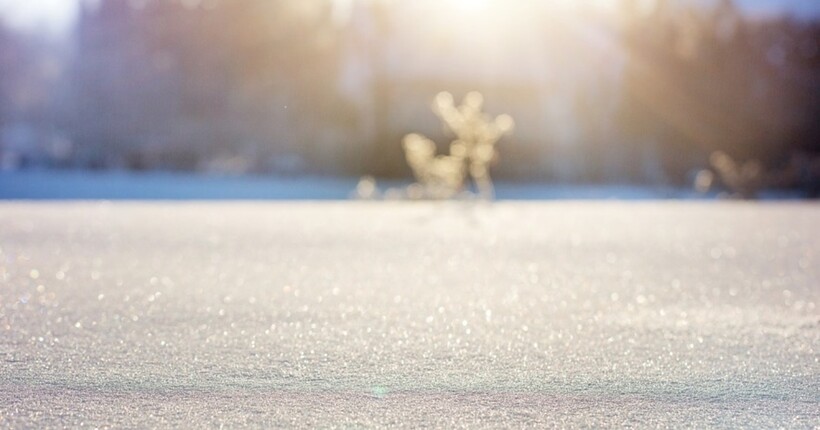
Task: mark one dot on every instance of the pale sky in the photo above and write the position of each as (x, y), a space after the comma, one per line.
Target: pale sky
(57, 15)
(53, 15)
(801, 8)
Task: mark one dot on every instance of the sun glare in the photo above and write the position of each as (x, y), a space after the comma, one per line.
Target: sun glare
(494, 24)
(469, 6)
(485, 16)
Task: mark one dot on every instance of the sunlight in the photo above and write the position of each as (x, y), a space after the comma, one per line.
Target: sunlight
(469, 6)
(484, 22)
(497, 19)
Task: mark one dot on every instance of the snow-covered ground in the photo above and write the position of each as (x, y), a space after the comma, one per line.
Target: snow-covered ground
(380, 314)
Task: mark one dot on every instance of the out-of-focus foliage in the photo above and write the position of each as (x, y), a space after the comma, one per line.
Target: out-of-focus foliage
(471, 153)
(747, 179)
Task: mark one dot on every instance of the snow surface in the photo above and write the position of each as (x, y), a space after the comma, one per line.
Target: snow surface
(357, 314)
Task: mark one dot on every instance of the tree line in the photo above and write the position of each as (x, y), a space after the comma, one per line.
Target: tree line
(252, 86)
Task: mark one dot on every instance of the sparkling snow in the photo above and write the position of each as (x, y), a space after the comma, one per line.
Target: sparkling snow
(358, 314)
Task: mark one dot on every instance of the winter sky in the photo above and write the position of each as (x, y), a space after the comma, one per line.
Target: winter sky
(57, 15)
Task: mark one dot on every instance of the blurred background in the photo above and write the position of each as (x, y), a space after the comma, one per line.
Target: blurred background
(680, 94)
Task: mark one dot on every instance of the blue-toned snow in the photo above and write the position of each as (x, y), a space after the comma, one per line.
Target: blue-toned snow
(84, 185)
